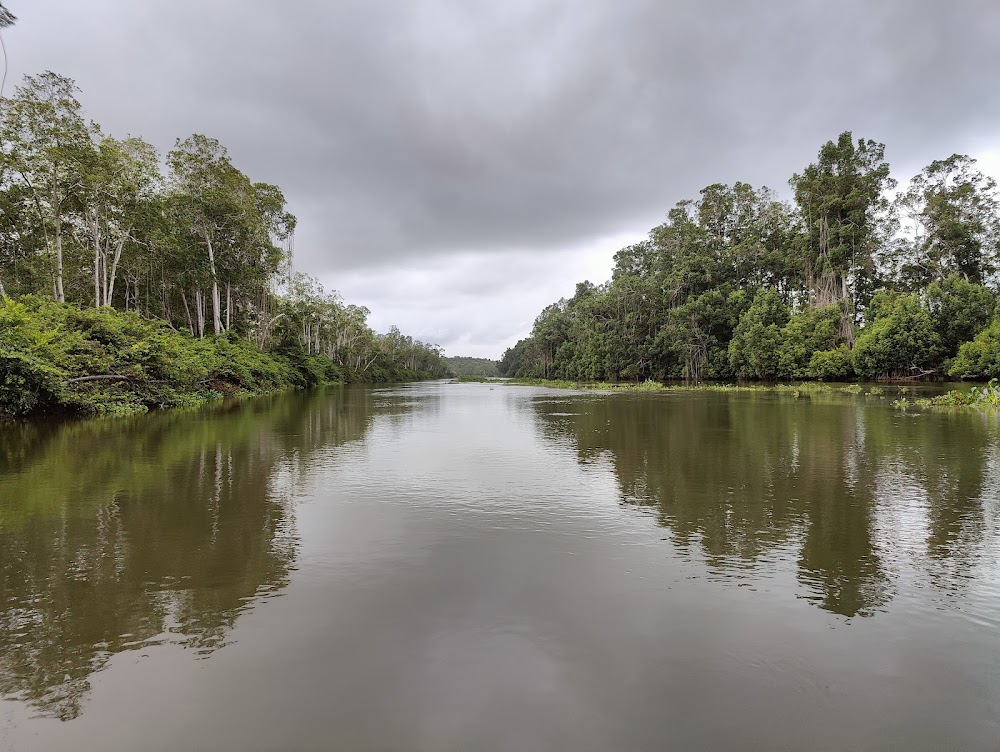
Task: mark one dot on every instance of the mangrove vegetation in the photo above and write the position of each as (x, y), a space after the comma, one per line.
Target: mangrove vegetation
(854, 277)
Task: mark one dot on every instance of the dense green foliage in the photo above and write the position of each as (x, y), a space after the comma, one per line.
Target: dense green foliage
(187, 276)
(58, 356)
(981, 356)
(463, 366)
(898, 339)
(843, 282)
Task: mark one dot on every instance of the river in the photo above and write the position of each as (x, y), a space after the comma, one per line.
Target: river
(486, 567)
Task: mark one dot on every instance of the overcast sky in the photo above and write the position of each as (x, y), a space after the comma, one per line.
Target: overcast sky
(456, 165)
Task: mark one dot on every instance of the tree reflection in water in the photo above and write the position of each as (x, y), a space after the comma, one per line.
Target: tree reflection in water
(833, 482)
(161, 528)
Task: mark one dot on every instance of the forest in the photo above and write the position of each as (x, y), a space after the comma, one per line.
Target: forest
(131, 279)
(465, 366)
(854, 277)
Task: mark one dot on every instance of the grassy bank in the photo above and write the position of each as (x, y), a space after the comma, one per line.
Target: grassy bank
(58, 358)
(656, 386)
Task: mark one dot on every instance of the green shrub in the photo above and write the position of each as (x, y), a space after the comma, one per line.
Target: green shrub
(831, 365)
(898, 340)
(959, 309)
(807, 332)
(754, 349)
(979, 358)
(26, 384)
(48, 349)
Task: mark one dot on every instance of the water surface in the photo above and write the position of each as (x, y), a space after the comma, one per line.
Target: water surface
(469, 566)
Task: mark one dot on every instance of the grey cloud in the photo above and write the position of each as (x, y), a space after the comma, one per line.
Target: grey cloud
(470, 303)
(408, 130)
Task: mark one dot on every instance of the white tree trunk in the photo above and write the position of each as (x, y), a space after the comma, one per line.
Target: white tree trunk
(97, 262)
(60, 294)
(109, 287)
(187, 313)
(199, 305)
(216, 300)
(216, 308)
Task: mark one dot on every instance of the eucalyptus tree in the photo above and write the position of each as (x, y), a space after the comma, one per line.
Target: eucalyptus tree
(310, 310)
(48, 149)
(121, 194)
(255, 255)
(235, 222)
(322, 324)
(269, 257)
(954, 215)
(19, 265)
(355, 348)
(400, 352)
(210, 198)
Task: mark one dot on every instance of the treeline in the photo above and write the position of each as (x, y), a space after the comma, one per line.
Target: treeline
(95, 221)
(465, 366)
(850, 279)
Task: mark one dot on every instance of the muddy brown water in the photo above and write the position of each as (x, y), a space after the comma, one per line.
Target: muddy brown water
(492, 567)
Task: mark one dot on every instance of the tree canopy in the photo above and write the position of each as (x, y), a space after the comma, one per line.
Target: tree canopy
(94, 221)
(847, 278)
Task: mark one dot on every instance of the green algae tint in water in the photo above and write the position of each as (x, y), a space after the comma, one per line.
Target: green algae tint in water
(471, 566)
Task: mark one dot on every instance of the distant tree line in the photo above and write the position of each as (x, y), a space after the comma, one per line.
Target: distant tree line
(465, 366)
(850, 279)
(94, 220)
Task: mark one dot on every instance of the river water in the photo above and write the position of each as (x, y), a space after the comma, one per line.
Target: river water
(491, 567)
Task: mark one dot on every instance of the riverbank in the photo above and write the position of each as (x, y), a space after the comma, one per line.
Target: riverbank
(60, 359)
(656, 386)
(983, 397)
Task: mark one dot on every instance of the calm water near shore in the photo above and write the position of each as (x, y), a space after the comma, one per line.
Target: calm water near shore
(492, 567)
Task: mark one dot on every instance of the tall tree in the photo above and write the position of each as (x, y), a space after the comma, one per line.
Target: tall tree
(847, 220)
(49, 148)
(954, 213)
(121, 191)
(216, 204)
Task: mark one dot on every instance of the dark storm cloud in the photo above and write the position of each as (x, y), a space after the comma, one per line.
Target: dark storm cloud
(427, 127)
(407, 130)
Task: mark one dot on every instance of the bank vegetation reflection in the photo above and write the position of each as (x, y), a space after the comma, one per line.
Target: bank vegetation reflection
(849, 489)
(127, 533)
